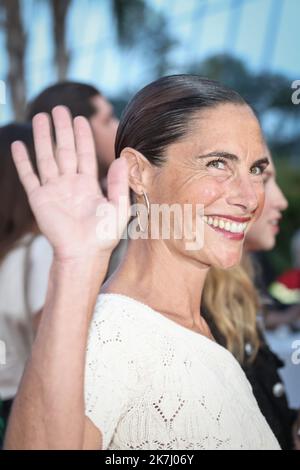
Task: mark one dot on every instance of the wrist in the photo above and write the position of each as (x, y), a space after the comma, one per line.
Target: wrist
(89, 268)
(97, 259)
(75, 283)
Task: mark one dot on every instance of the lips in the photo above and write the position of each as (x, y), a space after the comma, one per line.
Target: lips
(275, 225)
(275, 221)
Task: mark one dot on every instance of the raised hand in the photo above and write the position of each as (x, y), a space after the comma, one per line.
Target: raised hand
(65, 196)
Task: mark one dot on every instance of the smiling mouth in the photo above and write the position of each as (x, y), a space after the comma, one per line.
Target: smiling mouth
(227, 226)
(275, 225)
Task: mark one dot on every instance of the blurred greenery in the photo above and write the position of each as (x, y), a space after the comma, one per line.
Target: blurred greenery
(270, 94)
(151, 37)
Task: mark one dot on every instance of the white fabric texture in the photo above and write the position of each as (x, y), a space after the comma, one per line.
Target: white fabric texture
(41, 256)
(151, 383)
(14, 315)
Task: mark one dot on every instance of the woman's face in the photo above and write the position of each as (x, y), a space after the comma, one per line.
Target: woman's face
(262, 234)
(219, 164)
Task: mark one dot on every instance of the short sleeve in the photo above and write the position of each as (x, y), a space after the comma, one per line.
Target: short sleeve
(109, 373)
(41, 255)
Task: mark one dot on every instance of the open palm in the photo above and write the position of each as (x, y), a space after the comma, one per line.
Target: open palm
(65, 196)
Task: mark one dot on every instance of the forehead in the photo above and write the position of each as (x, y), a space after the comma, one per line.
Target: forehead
(271, 168)
(227, 127)
(101, 104)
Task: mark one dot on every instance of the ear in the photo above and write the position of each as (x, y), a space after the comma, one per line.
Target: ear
(139, 170)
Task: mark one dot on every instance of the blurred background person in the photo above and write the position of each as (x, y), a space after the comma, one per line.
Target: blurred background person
(83, 100)
(279, 310)
(25, 259)
(235, 314)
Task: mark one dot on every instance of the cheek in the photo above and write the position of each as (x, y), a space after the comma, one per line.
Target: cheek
(264, 214)
(104, 141)
(204, 192)
(260, 196)
(100, 135)
(260, 232)
(100, 131)
(210, 193)
(265, 206)
(114, 127)
(260, 237)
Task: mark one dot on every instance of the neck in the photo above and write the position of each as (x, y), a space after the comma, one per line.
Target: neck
(164, 280)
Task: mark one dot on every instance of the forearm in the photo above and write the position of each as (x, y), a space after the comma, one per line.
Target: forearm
(48, 412)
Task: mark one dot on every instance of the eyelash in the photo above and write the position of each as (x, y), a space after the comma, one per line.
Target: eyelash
(217, 160)
(261, 167)
(221, 160)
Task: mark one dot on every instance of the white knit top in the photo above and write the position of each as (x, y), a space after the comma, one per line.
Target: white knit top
(151, 383)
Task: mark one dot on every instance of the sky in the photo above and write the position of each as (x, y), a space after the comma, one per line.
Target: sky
(263, 33)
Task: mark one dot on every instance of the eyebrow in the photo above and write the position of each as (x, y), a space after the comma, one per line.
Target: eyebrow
(262, 161)
(232, 157)
(229, 156)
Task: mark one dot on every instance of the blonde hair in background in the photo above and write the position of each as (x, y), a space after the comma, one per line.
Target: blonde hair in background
(232, 302)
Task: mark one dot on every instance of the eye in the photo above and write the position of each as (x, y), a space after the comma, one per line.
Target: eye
(219, 164)
(258, 170)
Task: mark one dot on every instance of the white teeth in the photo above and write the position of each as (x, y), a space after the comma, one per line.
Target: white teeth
(233, 227)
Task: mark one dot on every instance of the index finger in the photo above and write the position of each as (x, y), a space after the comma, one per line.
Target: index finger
(43, 147)
(24, 168)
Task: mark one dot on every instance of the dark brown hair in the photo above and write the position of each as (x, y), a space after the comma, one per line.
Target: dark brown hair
(160, 113)
(16, 217)
(75, 96)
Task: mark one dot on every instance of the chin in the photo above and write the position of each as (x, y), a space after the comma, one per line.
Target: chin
(266, 244)
(227, 261)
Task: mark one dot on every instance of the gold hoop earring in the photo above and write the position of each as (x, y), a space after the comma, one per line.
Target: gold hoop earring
(139, 215)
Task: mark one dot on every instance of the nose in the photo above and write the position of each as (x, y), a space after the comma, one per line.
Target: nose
(244, 193)
(281, 202)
